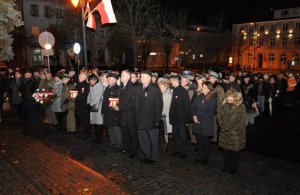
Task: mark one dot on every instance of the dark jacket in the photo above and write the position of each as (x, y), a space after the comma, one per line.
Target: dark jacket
(3, 88)
(109, 114)
(261, 87)
(180, 106)
(249, 94)
(126, 114)
(231, 119)
(81, 106)
(27, 89)
(232, 85)
(204, 108)
(149, 106)
(15, 87)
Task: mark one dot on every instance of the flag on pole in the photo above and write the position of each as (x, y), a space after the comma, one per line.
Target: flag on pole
(87, 9)
(106, 12)
(91, 22)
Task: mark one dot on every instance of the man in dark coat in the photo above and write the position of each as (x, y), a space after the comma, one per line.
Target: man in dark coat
(27, 89)
(179, 115)
(109, 114)
(149, 105)
(232, 84)
(81, 107)
(126, 115)
(3, 90)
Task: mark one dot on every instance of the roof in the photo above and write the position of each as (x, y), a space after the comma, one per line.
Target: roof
(264, 11)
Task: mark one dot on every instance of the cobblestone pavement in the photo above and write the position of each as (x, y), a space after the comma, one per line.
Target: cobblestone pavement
(44, 160)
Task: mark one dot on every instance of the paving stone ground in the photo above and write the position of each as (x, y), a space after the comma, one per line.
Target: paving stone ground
(47, 161)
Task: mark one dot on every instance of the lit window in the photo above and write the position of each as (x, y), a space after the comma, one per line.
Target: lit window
(34, 10)
(283, 41)
(272, 41)
(35, 30)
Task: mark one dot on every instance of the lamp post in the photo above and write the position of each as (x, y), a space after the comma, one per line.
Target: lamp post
(82, 3)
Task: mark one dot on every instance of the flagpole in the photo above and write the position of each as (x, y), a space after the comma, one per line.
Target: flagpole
(82, 3)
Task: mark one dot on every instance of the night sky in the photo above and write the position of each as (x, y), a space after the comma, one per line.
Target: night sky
(201, 10)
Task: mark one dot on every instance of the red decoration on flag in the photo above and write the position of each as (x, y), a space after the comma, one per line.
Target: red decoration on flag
(91, 22)
(106, 12)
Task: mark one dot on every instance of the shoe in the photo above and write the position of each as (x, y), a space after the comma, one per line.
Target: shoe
(132, 155)
(147, 161)
(183, 156)
(175, 153)
(203, 162)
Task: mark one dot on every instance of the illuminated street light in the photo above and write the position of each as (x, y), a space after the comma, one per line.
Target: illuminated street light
(82, 3)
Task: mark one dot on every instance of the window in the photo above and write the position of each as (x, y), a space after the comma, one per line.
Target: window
(35, 30)
(273, 28)
(262, 28)
(297, 41)
(297, 26)
(47, 11)
(59, 13)
(261, 42)
(271, 57)
(250, 42)
(296, 57)
(284, 12)
(251, 29)
(285, 27)
(283, 41)
(283, 58)
(272, 41)
(34, 10)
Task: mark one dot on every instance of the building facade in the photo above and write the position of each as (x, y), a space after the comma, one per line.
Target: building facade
(271, 45)
(38, 16)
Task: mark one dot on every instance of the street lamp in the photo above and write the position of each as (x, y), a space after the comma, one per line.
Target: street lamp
(82, 3)
(76, 49)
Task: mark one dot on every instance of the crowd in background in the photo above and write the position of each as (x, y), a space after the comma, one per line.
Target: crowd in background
(149, 110)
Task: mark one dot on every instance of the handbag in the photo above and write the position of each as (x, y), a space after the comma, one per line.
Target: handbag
(94, 108)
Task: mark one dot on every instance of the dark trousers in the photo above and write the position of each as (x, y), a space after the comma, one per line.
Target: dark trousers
(20, 110)
(98, 133)
(149, 143)
(60, 119)
(180, 138)
(29, 111)
(231, 160)
(203, 143)
(84, 123)
(130, 139)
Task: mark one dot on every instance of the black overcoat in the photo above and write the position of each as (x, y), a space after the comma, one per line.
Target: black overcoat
(180, 106)
(149, 106)
(126, 114)
(109, 114)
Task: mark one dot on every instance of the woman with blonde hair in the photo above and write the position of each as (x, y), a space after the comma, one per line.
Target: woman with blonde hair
(164, 86)
(232, 139)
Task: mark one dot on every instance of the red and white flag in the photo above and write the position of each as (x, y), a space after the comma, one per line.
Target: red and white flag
(91, 22)
(106, 12)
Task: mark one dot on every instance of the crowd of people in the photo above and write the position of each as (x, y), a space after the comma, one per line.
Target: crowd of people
(141, 110)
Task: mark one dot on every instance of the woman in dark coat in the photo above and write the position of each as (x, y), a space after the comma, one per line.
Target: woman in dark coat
(16, 94)
(203, 109)
(232, 138)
